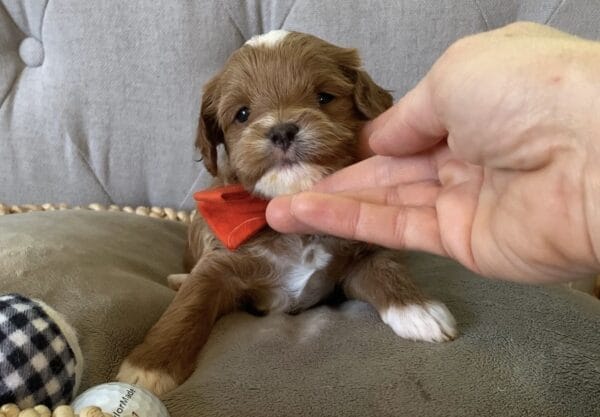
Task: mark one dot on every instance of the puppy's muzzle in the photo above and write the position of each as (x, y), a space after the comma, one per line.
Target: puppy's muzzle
(282, 135)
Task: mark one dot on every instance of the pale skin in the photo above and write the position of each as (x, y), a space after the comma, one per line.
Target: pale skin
(493, 159)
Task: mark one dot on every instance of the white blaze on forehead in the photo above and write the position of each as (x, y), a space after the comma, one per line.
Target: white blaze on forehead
(289, 179)
(271, 38)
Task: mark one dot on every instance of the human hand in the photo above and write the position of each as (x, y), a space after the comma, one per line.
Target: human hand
(491, 160)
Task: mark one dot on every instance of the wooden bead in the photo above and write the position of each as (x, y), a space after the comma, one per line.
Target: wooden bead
(183, 216)
(43, 411)
(142, 211)
(30, 207)
(11, 410)
(96, 207)
(29, 412)
(154, 211)
(63, 411)
(171, 214)
(91, 412)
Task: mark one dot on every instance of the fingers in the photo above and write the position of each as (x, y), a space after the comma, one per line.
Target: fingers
(380, 171)
(457, 203)
(425, 193)
(417, 194)
(364, 149)
(457, 206)
(391, 226)
(410, 126)
(529, 29)
(280, 217)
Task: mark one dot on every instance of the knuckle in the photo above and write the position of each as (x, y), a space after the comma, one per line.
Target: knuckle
(521, 28)
(460, 47)
(399, 230)
(452, 61)
(351, 223)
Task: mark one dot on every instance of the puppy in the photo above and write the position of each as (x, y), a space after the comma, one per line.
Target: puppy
(286, 109)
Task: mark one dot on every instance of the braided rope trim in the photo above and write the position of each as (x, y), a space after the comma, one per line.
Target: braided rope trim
(181, 216)
(166, 213)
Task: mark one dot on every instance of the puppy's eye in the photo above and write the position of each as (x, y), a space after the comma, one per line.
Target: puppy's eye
(325, 98)
(242, 115)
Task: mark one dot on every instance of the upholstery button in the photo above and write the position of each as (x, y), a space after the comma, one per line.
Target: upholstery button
(32, 52)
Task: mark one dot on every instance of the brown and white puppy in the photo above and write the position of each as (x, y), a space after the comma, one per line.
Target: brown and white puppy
(286, 108)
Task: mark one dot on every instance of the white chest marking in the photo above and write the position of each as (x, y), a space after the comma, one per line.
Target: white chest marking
(314, 258)
(271, 38)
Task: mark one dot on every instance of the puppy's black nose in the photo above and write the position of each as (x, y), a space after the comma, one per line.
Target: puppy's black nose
(282, 135)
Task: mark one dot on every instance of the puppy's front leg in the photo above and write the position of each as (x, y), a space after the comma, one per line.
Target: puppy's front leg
(168, 353)
(381, 280)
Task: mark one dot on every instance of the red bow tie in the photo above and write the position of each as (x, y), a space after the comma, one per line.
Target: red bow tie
(232, 213)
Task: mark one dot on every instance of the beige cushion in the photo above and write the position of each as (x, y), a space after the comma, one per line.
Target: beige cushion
(522, 350)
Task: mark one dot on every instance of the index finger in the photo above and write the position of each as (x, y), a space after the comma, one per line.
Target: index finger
(397, 227)
(412, 125)
(380, 171)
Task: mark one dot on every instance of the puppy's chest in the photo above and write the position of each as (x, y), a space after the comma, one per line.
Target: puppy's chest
(297, 271)
(301, 273)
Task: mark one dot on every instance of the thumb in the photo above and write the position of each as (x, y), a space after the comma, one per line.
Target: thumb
(410, 126)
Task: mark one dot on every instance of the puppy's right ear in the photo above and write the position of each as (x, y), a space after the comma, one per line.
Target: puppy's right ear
(370, 99)
(210, 134)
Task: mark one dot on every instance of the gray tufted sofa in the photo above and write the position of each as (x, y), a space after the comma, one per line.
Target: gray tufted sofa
(99, 104)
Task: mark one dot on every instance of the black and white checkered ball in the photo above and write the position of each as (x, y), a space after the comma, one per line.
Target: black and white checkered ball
(37, 363)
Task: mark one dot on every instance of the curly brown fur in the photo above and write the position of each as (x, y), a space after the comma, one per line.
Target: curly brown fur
(306, 100)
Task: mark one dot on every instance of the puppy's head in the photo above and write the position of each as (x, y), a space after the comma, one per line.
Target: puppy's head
(287, 107)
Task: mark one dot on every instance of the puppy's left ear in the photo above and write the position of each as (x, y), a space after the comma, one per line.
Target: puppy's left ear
(370, 99)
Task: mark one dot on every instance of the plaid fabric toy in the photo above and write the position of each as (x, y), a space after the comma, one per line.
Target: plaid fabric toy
(40, 359)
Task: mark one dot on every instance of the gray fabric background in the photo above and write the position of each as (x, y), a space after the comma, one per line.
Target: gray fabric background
(99, 103)
(522, 350)
(99, 100)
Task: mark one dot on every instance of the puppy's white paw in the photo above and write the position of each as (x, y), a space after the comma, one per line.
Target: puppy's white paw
(429, 322)
(153, 380)
(175, 280)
